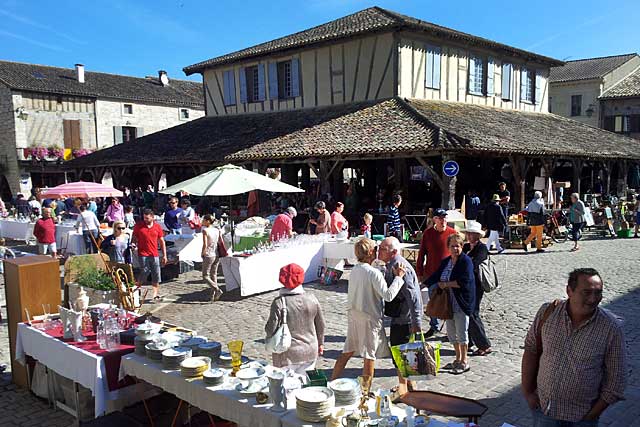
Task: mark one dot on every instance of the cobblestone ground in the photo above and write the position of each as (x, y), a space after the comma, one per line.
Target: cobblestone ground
(528, 281)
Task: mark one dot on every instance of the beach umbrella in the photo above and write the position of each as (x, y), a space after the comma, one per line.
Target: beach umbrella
(229, 180)
(80, 189)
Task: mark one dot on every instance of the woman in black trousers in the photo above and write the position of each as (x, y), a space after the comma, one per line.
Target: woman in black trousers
(478, 252)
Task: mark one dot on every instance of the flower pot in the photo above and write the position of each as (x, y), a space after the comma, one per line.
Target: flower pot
(95, 296)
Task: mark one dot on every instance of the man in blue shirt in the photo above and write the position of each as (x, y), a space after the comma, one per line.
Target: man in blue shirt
(172, 217)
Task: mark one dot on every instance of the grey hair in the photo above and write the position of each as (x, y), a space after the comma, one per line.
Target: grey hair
(576, 195)
(537, 195)
(394, 243)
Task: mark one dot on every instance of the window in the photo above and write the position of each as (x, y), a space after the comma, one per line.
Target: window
(71, 131)
(551, 104)
(433, 67)
(127, 109)
(184, 114)
(284, 79)
(527, 85)
(229, 87)
(622, 124)
(128, 134)
(576, 105)
(507, 72)
(253, 91)
(476, 75)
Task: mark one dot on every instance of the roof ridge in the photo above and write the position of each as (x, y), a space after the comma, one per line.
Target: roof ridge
(619, 82)
(604, 57)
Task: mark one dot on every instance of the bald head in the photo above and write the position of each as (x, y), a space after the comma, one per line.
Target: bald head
(389, 248)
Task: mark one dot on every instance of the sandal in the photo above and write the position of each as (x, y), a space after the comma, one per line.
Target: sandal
(461, 369)
(484, 352)
(451, 365)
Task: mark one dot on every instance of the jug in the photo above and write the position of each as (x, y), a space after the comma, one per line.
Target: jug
(276, 391)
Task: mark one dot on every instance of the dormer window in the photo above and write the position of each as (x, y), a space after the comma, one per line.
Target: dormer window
(184, 114)
(127, 109)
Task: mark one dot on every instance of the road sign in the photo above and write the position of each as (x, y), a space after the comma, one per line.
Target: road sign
(451, 168)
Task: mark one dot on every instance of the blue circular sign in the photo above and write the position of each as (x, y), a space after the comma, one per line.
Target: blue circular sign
(450, 168)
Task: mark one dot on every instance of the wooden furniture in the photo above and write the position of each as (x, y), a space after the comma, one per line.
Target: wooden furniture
(444, 404)
(30, 281)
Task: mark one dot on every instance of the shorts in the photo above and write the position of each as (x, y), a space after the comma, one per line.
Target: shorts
(150, 265)
(458, 328)
(45, 248)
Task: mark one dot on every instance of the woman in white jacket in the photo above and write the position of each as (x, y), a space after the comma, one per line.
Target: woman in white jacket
(367, 291)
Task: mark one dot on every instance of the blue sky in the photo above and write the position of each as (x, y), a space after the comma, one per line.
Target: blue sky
(140, 37)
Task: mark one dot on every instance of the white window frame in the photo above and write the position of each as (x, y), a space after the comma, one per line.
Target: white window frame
(479, 76)
(180, 114)
(124, 109)
(530, 87)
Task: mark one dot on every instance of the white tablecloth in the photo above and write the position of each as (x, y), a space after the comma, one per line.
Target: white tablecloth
(12, 229)
(259, 273)
(83, 367)
(223, 402)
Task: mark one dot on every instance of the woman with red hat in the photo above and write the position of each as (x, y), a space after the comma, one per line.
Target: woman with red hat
(304, 318)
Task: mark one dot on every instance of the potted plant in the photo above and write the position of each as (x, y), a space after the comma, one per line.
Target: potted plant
(56, 152)
(81, 152)
(97, 283)
(39, 152)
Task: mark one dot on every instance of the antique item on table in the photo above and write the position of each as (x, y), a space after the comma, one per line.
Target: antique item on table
(96, 316)
(335, 418)
(82, 302)
(250, 374)
(193, 343)
(354, 420)
(213, 377)
(251, 388)
(71, 324)
(383, 403)
(194, 366)
(346, 390)
(314, 404)
(261, 398)
(141, 344)
(154, 350)
(277, 391)
(365, 386)
(147, 330)
(172, 358)
(66, 330)
(235, 349)
(210, 349)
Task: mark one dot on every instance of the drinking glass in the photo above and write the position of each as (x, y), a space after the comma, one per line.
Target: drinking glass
(235, 349)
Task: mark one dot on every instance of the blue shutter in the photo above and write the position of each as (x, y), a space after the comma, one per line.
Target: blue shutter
(295, 77)
(433, 67)
(538, 99)
(273, 80)
(506, 81)
(490, 74)
(472, 72)
(429, 75)
(243, 85)
(261, 86)
(523, 84)
(229, 89)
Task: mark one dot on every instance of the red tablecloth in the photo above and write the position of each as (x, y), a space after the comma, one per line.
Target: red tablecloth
(111, 358)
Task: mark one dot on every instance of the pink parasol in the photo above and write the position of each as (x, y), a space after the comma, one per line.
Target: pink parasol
(81, 189)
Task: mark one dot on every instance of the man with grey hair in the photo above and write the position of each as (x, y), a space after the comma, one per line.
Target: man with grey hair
(405, 309)
(283, 225)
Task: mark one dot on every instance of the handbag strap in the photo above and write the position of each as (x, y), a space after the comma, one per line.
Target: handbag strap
(284, 309)
(412, 337)
(547, 312)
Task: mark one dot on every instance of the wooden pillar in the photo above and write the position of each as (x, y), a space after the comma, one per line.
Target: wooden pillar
(607, 165)
(520, 166)
(578, 164)
(449, 187)
(439, 179)
(155, 172)
(338, 184)
(623, 173)
(306, 177)
(290, 174)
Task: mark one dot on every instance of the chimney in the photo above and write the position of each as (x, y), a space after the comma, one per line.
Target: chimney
(164, 79)
(80, 73)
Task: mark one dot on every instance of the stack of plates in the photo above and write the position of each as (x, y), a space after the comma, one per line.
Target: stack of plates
(193, 343)
(224, 360)
(210, 349)
(173, 357)
(194, 366)
(346, 390)
(140, 344)
(154, 350)
(213, 377)
(314, 404)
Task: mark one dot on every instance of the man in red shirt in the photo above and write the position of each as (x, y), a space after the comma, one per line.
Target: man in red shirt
(146, 235)
(45, 233)
(283, 225)
(433, 246)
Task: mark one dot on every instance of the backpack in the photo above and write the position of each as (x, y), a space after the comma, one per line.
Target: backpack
(488, 275)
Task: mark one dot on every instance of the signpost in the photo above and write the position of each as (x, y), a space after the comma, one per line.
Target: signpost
(450, 168)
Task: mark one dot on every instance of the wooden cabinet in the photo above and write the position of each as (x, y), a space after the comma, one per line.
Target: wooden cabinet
(30, 281)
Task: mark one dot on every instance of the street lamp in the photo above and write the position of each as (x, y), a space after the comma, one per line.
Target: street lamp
(590, 110)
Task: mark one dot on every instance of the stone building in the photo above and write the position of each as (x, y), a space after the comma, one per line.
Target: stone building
(387, 97)
(50, 115)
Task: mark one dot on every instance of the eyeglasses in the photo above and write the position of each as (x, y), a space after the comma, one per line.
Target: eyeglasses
(120, 228)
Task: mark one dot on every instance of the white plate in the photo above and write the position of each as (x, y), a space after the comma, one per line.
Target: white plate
(213, 373)
(344, 385)
(314, 394)
(253, 387)
(195, 363)
(177, 352)
(250, 373)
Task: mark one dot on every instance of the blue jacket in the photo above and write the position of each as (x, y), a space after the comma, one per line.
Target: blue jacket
(463, 274)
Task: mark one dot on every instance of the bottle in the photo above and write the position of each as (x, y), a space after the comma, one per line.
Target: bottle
(101, 337)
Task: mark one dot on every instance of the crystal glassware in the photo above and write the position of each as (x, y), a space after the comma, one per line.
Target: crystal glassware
(235, 349)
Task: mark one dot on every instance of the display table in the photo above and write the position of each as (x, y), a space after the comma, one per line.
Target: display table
(250, 242)
(259, 273)
(82, 362)
(16, 230)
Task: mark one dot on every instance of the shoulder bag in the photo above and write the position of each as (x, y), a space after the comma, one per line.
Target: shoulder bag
(222, 250)
(488, 275)
(280, 341)
(439, 306)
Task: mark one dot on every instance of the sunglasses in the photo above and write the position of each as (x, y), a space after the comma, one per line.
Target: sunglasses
(120, 228)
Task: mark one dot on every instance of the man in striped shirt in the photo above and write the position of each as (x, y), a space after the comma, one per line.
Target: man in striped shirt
(573, 365)
(393, 219)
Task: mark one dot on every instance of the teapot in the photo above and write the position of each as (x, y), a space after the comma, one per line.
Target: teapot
(353, 420)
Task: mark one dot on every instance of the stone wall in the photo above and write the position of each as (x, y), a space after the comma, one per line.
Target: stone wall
(8, 124)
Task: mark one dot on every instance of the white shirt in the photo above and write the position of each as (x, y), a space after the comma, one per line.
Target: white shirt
(90, 221)
(367, 290)
(213, 234)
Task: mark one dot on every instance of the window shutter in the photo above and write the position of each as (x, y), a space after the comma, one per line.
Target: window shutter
(76, 143)
(436, 67)
(429, 75)
(139, 132)
(523, 84)
(243, 85)
(472, 72)
(229, 89)
(273, 80)
(506, 81)
(295, 77)
(261, 85)
(538, 95)
(490, 75)
(117, 135)
(66, 128)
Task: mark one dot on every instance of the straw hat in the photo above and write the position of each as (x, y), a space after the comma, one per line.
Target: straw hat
(473, 227)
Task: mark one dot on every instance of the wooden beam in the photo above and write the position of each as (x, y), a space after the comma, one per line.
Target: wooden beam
(520, 166)
(434, 174)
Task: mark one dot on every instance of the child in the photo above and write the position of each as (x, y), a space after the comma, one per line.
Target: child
(129, 221)
(366, 227)
(210, 255)
(4, 252)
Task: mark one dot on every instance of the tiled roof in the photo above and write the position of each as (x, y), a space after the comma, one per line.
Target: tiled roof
(625, 88)
(371, 20)
(585, 69)
(365, 130)
(475, 128)
(55, 80)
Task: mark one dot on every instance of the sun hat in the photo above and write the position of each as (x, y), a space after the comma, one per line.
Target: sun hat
(291, 276)
(292, 211)
(473, 227)
(439, 212)
(495, 198)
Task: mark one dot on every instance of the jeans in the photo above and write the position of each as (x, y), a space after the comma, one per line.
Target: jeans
(477, 334)
(576, 230)
(90, 248)
(541, 420)
(175, 231)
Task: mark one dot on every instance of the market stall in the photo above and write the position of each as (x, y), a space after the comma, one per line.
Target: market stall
(16, 230)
